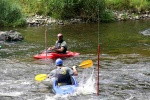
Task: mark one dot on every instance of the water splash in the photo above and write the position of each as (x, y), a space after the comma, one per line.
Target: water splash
(87, 84)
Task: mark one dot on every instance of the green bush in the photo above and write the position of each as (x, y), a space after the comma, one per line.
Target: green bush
(131, 5)
(63, 9)
(107, 16)
(10, 14)
(140, 5)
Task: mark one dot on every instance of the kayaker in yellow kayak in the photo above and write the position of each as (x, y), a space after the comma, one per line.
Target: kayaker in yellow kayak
(63, 74)
(60, 45)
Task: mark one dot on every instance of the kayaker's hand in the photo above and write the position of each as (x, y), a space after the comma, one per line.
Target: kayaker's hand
(51, 48)
(49, 76)
(74, 67)
(55, 49)
(75, 70)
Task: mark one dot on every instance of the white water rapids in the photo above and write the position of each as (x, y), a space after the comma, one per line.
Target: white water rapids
(118, 80)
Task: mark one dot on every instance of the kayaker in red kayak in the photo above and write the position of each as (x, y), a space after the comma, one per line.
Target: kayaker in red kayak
(63, 74)
(60, 45)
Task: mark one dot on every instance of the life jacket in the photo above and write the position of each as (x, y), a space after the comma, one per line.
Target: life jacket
(58, 45)
(63, 76)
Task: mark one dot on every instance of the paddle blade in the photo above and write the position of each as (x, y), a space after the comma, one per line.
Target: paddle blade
(40, 77)
(86, 64)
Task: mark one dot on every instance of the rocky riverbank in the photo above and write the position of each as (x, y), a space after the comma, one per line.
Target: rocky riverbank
(126, 15)
(38, 20)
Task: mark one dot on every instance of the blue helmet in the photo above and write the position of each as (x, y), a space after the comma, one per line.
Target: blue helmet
(58, 62)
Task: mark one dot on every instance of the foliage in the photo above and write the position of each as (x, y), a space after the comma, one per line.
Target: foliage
(88, 10)
(10, 14)
(63, 9)
(140, 5)
(132, 5)
(107, 16)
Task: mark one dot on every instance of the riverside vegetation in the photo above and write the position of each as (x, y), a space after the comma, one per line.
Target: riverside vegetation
(15, 12)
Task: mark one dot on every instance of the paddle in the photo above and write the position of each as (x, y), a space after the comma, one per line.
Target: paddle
(40, 77)
(84, 64)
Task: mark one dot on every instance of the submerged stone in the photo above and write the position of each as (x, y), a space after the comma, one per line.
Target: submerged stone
(146, 32)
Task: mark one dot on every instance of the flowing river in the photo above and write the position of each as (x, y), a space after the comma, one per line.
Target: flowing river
(124, 61)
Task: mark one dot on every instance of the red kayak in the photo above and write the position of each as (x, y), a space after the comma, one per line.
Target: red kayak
(53, 55)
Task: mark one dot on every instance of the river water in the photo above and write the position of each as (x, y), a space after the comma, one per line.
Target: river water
(124, 62)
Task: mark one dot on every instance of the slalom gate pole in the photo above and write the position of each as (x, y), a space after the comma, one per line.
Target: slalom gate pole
(46, 33)
(98, 66)
(46, 42)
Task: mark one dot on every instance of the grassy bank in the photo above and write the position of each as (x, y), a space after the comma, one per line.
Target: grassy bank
(12, 12)
(84, 9)
(130, 5)
(63, 9)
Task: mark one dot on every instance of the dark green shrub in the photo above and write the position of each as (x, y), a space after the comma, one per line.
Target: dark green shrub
(64, 9)
(107, 16)
(10, 14)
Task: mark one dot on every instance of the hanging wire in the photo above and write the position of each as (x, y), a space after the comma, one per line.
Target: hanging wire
(46, 42)
(98, 65)
(98, 23)
(46, 33)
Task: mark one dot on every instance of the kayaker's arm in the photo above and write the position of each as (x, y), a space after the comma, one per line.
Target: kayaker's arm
(55, 49)
(51, 48)
(75, 70)
(59, 50)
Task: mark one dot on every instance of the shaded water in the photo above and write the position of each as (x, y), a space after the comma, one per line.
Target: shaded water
(125, 62)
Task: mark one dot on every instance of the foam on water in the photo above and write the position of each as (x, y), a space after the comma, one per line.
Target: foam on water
(87, 86)
(58, 97)
(12, 94)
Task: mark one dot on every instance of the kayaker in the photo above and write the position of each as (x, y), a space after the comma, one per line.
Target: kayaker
(60, 45)
(63, 74)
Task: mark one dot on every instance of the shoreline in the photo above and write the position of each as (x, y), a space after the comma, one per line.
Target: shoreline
(39, 20)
